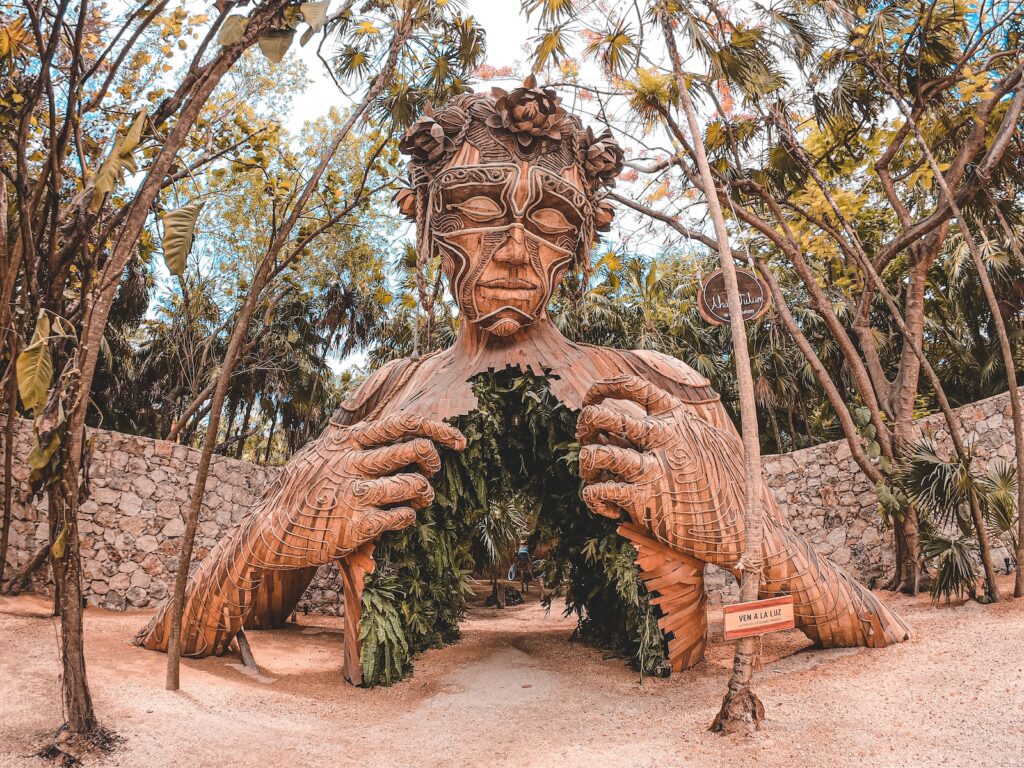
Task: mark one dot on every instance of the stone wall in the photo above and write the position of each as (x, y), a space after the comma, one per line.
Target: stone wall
(830, 501)
(132, 524)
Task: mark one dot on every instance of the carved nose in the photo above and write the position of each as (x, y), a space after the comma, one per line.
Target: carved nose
(513, 250)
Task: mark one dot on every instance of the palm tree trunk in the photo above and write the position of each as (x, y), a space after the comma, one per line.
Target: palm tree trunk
(741, 709)
(792, 427)
(776, 435)
(270, 436)
(245, 426)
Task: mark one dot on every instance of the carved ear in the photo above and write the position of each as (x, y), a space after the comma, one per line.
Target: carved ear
(405, 200)
(530, 81)
(604, 216)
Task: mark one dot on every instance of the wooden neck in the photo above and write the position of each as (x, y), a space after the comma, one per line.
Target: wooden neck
(539, 343)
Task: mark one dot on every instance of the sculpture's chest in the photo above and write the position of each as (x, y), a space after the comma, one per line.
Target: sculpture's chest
(441, 386)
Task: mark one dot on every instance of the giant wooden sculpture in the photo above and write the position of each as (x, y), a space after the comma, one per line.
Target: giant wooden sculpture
(506, 190)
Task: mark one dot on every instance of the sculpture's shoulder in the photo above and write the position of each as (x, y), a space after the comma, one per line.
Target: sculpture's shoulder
(671, 368)
(379, 387)
(670, 374)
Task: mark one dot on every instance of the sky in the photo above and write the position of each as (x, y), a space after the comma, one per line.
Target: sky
(507, 34)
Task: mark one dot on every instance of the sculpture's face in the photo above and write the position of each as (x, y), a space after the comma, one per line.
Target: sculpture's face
(506, 234)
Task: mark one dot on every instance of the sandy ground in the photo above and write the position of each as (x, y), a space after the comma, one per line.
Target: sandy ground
(514, 692)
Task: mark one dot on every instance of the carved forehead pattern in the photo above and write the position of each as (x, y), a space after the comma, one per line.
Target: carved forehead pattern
(480, 177)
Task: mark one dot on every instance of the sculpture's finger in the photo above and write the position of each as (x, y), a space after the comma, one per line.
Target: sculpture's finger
(377, 521)
(607, 499)
(598, 420)
(622, 462)
(402, 426)
(409, 488)
(654, 399)
(420, 452)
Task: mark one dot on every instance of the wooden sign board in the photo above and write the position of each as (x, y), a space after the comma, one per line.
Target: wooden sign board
(713, 302)
(759, 617)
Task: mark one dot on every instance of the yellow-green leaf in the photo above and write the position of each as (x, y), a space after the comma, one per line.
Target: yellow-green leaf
(39, 457)
(34, 368)
(133, 135)
(274, 43)
(60, 545)
(314, 14)
(119, 160)
(179, 229)
(232, 30)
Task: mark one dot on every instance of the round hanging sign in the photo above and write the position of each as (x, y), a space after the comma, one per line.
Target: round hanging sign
(713, 302)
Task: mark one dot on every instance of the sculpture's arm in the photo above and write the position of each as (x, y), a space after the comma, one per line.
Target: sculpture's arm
(339, 493)
(680, 478)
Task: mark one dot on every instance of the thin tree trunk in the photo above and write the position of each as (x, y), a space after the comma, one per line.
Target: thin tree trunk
(6, 291)
(78, 709)
(239, 333)
(191, 410)
(244, 428)
(12, 416)
(270, 437)
(1018, 426)
(741, 709)
(791, 427)
(1018, 584)
(776, 435)
(232, 413)
(190, 431)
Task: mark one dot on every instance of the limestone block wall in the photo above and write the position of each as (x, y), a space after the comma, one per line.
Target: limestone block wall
(830, 501)
(132, 524)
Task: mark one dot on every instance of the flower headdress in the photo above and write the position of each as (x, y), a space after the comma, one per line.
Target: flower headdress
(527, 123)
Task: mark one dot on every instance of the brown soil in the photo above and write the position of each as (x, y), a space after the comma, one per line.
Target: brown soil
(514, 692)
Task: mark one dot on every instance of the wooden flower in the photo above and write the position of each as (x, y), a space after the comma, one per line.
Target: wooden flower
(405, 201)
(425, 140)
(601, 157)
(529, 113)
(604, 216)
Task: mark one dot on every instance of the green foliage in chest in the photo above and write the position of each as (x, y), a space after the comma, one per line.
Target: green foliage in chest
(521, 449)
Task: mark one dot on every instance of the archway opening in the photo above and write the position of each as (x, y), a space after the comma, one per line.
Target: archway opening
(521, 450)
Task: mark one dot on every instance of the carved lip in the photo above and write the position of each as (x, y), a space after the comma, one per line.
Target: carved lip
(508, 283)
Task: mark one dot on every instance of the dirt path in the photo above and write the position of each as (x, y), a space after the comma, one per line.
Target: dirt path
(515, 693)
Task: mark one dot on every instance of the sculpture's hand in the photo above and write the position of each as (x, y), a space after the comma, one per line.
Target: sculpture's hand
(349, 487)
(643, 452)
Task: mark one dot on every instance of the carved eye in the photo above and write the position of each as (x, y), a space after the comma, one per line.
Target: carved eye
(479, 208)
(551, 221)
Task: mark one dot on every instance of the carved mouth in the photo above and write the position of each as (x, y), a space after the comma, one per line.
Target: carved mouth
(508, 283)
